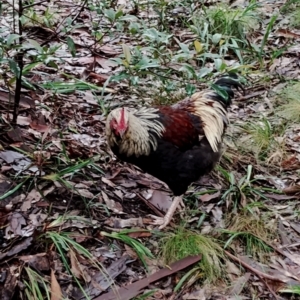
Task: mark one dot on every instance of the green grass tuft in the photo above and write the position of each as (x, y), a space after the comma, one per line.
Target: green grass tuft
(291, 109)
(185, 242)
(251, 231)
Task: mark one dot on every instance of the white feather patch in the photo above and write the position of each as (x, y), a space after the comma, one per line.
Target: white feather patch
(213, 115)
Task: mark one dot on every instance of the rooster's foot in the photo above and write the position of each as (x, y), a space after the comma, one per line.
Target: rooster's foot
(163, 222)
(160, 221)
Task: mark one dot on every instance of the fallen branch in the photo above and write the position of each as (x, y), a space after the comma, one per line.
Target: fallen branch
(132, 290)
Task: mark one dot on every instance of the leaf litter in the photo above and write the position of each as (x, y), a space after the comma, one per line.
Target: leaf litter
(62, 123)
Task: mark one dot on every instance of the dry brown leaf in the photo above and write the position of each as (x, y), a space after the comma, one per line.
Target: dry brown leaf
(108, 182)
(208, 197)
(125, 223)
(39, 127)
(140, 234)
(75, 265)
(161, 200)
(287, 33)
(111, 204)
(38, 261)
(56, 293)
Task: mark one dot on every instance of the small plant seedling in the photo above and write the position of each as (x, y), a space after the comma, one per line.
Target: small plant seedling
(240, 190)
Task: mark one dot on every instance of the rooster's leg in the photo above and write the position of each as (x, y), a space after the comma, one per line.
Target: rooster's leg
(163, 222)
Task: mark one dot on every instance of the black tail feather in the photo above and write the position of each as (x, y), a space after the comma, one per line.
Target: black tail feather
(228, 81)
(225, 83)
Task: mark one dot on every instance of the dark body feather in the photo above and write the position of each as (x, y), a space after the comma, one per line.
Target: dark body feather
(180, 158)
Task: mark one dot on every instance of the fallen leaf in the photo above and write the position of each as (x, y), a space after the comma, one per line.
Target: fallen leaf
(161, 200)
(111, 204)
(10, 156)
(75, 265)
(38, 261)
(208, 197)
(17, 248)
(287, 33)
(56, 293)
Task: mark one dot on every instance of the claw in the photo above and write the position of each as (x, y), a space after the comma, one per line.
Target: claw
(163, 222)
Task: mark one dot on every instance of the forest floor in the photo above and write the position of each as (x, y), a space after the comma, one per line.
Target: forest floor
(74, 220)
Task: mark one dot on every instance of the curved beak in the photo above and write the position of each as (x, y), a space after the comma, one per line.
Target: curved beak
(121, 132)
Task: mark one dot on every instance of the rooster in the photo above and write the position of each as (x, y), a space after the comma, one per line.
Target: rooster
(176, 144)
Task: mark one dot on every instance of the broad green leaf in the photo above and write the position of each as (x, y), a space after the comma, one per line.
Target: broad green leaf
(29, 67)
(237, 50)
(218, 63)
(210, 55)
(189, 70)
(184, 48)
(119, 77)
(149, 65)
(118, 14)
(14, 67)
(151, 34)
(222, 92)
(190, 89)
(110, 14)
(204, 71)
(27, 84)
(35, 45)
(71, 46)
(146, 63)
(134, 80)
(216, 38)
(11, 38)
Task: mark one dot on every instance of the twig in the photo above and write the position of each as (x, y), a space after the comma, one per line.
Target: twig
(20, 62)
(258, 273)
(253, 270)
(34, 4)
(80, 11)
(149, 204)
